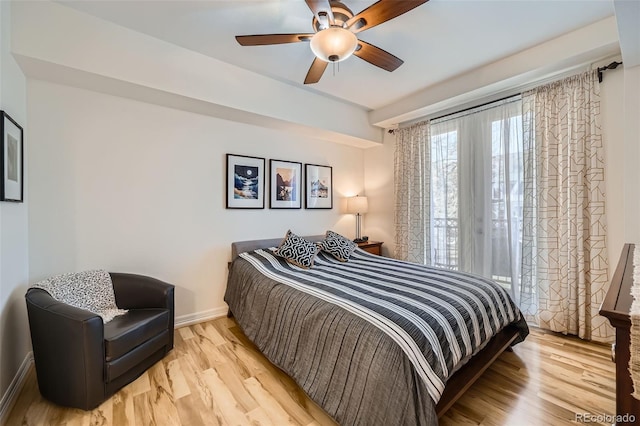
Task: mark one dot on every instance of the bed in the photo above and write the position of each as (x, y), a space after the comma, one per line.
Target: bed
(359, 336)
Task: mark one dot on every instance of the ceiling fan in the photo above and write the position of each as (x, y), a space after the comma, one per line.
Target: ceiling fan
(335, 38)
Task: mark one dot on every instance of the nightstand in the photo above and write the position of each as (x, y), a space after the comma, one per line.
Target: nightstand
(373, 247)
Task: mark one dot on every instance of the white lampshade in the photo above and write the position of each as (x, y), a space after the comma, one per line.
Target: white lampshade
(334, 44)
(357, 205)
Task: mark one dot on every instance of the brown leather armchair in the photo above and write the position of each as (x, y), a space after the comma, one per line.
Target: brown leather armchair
(80, 361)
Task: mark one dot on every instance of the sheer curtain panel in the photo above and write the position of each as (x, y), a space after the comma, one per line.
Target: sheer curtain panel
(476, 191)
(412, 182)
(565, 264)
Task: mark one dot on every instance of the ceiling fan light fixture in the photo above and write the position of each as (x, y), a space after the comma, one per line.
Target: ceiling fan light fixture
(334, 44)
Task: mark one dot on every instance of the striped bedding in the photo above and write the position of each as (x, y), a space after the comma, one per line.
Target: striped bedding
(408, 328)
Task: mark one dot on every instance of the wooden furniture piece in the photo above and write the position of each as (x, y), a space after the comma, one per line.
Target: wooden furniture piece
(373, 247)
(615, 308)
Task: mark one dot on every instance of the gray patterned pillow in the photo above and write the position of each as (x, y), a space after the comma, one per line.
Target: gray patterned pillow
(339, 246)
(297, 250)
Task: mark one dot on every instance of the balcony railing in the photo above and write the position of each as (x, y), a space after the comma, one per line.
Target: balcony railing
(444, 240)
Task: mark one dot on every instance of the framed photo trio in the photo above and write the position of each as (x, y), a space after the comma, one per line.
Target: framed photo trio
(246, 184)
(11, 160)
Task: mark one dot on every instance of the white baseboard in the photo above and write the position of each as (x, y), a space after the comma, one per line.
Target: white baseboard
(11, 395)
(184, 320)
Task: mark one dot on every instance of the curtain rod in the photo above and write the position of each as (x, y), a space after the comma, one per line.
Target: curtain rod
(613, 65)
(505, 98)
(392, 131)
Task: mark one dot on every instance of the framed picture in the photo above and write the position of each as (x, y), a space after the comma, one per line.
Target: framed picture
(245, 182)
(285, 184)
(11, 160)
(318, 187)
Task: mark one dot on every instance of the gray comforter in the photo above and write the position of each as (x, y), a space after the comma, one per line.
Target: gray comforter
(372, 340)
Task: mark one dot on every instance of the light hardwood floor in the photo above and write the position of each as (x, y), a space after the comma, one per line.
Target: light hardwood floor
(215, 376)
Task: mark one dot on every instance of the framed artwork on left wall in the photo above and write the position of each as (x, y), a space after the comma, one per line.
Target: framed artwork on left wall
(245, 182)
(11, 160)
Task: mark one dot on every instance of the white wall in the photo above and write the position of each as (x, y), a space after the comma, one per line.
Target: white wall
(379, 173)
(14, 269)
(612, 108)
(631, 141)
(135, 187)
(378, 177)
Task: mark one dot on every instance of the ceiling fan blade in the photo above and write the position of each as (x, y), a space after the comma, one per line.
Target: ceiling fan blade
(315, 72)
(378, 57)
(263, 39)
(380, 12)
(321, 9)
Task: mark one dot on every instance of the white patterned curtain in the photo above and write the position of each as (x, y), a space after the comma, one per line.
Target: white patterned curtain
(564, 266)
(412, 187)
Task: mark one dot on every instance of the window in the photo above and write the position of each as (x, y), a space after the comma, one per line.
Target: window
(444, 200)
(476, 192)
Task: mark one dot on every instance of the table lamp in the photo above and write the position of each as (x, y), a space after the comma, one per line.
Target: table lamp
(358, 205)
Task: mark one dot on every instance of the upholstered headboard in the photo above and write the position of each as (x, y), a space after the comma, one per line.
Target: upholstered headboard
(242, 246)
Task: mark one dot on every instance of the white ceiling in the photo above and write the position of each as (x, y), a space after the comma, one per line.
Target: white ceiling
(438, 40)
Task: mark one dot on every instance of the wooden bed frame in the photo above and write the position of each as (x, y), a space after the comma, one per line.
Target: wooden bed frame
(461, 379)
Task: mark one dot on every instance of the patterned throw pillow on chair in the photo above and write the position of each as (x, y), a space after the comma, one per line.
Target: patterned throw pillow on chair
(297, 250)
(339, 246)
